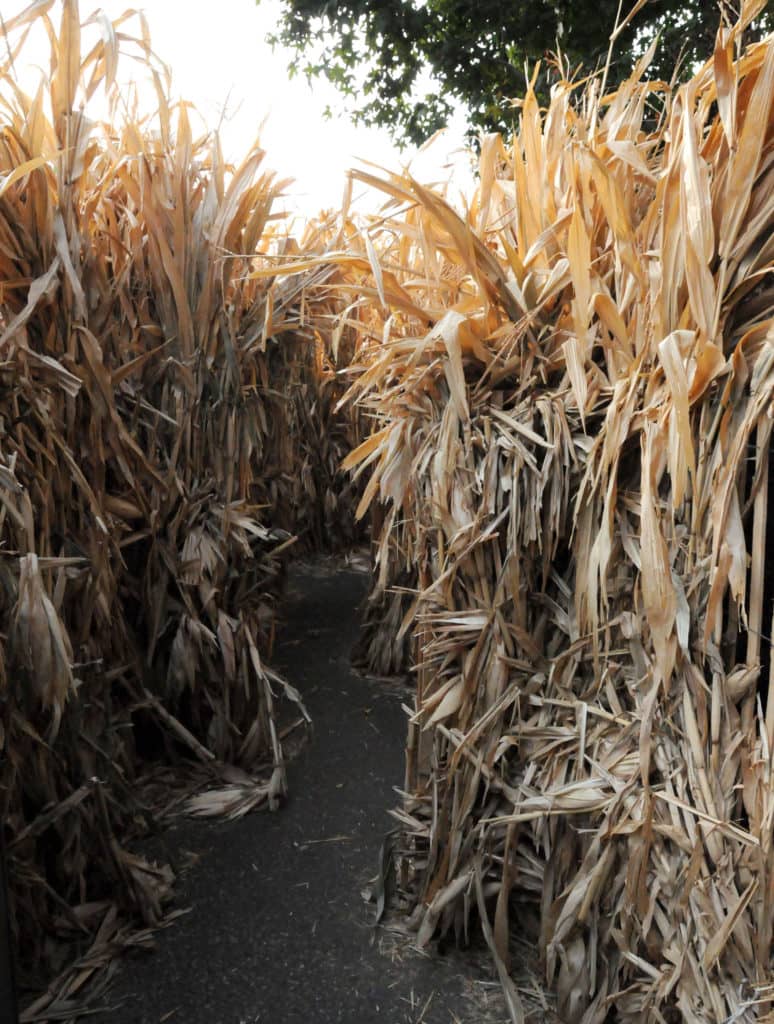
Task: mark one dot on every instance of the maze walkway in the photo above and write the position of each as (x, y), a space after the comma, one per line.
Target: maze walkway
(278, 930)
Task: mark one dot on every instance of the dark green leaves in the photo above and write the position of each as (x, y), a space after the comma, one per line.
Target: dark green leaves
(384, 57)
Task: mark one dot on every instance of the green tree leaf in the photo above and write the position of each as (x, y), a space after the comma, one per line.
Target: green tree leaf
(402, 64)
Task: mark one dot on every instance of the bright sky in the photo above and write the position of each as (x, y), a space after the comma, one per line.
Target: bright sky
(219, 60)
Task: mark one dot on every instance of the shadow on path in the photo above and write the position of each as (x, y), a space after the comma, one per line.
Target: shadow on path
(278, 931)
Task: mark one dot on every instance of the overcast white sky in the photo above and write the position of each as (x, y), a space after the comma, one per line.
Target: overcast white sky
(219, 59)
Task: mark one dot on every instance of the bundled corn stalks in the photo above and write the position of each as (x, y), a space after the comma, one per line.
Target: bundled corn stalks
(139, 434)
(574, 405)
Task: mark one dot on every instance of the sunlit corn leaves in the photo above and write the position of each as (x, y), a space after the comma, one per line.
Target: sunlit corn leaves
(571, 387)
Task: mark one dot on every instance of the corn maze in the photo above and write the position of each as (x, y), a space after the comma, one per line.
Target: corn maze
(551, 412)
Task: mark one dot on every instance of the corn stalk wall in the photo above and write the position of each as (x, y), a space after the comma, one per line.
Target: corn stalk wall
(574, 410)
(165, 425)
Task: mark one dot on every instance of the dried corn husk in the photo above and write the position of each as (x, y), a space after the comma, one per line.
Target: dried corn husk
(572, 403)
(159, 406)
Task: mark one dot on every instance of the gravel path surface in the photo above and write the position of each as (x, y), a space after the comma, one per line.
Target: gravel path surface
(278, 931)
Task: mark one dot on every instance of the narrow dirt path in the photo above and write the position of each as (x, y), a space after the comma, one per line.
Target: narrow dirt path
(278, 930)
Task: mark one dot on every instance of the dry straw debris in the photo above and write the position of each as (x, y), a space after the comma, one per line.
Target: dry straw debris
(573, 404)
(153, 433)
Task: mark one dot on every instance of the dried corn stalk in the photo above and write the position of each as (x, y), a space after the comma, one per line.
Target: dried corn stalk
(141, 540)
(573, 403)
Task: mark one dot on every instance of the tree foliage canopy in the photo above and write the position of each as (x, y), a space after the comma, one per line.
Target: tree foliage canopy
(401, 63)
